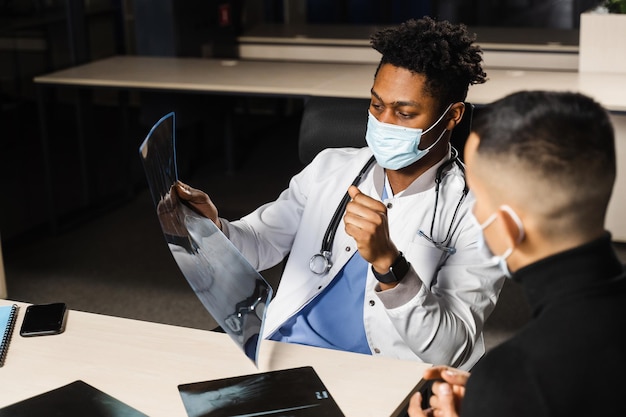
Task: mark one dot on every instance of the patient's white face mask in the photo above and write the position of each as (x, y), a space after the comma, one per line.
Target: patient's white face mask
(500, 260)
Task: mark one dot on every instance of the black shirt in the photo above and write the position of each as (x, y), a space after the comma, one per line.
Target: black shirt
(570, 359)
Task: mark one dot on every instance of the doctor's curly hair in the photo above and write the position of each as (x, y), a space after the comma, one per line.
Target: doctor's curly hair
(443, 52)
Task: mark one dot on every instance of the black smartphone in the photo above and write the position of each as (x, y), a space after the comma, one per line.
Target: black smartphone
(44, 319)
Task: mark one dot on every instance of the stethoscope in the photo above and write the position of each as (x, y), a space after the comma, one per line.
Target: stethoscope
(321, 262)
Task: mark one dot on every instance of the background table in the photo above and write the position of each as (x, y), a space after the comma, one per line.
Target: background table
(351, 80)
(142, 363)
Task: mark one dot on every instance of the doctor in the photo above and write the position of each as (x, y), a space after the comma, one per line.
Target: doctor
(394, 269)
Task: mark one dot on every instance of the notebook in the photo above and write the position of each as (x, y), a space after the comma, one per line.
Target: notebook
(8, 314)
(294, 392)
(77, 399)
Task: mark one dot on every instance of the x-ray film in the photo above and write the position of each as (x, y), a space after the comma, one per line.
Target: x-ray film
(231, 290)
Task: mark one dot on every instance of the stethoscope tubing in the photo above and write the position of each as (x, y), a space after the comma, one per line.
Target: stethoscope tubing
(321, 262)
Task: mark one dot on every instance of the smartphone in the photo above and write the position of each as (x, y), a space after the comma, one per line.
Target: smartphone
(44, 319)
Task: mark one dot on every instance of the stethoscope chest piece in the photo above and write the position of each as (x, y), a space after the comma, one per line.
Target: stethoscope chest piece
(320, 263)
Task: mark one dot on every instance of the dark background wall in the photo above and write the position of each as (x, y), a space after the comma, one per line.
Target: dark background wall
(41, 36)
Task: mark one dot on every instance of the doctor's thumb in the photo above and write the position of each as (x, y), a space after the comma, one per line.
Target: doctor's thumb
(353, 191)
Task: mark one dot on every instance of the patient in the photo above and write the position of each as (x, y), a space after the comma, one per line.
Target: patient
(542, 167)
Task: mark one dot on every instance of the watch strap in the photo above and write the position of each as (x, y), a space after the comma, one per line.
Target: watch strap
(397, 271)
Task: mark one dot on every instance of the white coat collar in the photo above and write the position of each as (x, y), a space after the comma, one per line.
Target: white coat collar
(420, 184)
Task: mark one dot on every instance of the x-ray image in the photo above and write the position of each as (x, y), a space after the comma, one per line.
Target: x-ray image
(294, 392)
(231, 290)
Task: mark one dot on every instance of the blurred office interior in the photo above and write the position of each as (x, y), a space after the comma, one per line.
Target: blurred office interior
(115, 239)
(42, 36)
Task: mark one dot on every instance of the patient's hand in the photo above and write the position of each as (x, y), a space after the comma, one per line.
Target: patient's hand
(448, 392)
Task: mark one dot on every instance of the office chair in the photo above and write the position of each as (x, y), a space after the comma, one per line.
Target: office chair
(330, 122)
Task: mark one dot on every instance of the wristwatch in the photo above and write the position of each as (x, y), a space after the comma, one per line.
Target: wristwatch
(397, 271)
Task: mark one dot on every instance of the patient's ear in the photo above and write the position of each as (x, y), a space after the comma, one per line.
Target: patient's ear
(512, 225)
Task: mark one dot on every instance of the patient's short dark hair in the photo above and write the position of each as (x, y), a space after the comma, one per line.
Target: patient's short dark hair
(565, 137)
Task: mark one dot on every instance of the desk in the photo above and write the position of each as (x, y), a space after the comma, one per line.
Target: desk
(305, 79)
(142, 363)
(529, 48)
(208, 76)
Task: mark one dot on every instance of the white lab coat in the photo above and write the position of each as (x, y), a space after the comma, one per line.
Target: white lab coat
(435, 317)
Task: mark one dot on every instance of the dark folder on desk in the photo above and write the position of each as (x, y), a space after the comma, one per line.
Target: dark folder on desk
(77, 399)
(295, 392)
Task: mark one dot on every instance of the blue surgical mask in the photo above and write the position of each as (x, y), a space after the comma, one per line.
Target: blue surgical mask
(397, 147)
(499, 260)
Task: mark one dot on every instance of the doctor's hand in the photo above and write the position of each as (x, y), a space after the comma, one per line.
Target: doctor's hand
(168, 213)
(366, 222)
(447, 393)
(199, 201)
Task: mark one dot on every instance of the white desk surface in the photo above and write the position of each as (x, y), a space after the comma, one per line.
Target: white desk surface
(541, 39)
(204, 75)
(310, 79)
(530, 48)
(142, 363)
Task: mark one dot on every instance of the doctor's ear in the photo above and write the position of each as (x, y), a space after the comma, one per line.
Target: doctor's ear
(455, 114)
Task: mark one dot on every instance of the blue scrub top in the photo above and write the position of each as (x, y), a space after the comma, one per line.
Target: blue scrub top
(334, 319)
